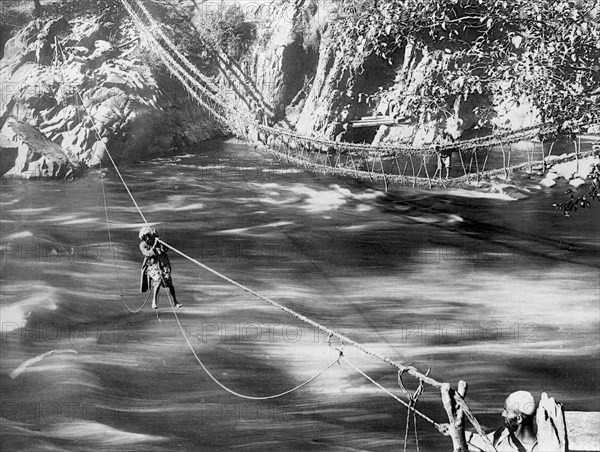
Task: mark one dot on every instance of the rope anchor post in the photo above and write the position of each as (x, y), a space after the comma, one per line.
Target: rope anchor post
(454, 410)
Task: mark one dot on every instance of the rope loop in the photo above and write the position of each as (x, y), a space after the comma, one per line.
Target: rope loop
(412, 403)
(414, 396)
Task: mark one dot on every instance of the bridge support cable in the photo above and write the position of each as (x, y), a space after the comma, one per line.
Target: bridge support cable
(175, 68)
(156, 26)
(190, 75)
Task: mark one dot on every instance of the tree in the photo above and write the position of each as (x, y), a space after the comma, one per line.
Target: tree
(585, 199)
(545, 50)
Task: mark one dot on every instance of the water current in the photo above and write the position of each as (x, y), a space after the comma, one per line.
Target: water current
(503, 294)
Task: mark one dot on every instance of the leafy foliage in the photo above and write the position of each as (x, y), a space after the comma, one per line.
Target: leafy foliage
(585, 200)
(227, 30)
(546, 50)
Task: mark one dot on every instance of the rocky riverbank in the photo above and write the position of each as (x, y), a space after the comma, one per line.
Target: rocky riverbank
(72, 87)
(87, 81)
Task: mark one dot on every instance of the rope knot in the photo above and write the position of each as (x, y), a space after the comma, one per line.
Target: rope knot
(414, 396)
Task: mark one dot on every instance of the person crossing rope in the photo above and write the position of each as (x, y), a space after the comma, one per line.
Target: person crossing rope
(444, 156)
(156, 268)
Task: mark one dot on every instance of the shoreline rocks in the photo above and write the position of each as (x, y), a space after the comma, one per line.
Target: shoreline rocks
(36, 156)
(73, 85)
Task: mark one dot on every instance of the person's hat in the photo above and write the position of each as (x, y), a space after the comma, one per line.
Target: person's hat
(144, 232)
(521, 401)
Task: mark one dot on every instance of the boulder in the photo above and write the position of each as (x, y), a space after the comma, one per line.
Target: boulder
(36, 157)
(97, 91)
(547, 182)
(102, 51)
(113, 80)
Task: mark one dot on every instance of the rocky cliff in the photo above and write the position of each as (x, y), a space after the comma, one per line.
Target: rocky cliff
(84, 83)
(299, 67)
(89, 81)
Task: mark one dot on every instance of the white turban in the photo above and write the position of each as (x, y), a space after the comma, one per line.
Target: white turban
(145, 231)
(521, 401)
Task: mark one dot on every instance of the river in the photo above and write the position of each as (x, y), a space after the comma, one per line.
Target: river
(503, 294)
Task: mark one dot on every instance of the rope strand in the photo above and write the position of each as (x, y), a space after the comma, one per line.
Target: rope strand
(410, 370)
(213, 378)
(58, 48)
(391, 394)
(113, 253)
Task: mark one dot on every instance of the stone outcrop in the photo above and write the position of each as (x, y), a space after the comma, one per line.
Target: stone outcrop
(89, 81)
(36, 156)
(295, 42)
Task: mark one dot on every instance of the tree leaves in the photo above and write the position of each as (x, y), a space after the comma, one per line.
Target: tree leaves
(583, 201)
(547, 50)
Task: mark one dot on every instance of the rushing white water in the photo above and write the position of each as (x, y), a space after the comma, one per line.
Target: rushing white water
(501, 293)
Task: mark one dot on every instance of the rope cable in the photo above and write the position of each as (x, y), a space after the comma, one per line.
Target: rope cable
(78, 97)
(391, 394)
(409, 369)
(113, 253)
(213, 378)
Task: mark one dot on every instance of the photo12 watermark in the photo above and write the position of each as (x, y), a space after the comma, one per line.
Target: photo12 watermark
(258, 332)
(56, 333)
(32, 251)
(40, 413)
(455, 331)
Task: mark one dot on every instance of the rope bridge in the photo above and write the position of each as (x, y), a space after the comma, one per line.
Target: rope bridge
(390, 164)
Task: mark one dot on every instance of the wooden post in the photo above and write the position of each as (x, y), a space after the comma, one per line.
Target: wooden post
(455, 415)
(551, 428)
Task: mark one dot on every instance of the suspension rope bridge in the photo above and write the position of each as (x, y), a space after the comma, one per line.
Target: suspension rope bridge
(399, 163)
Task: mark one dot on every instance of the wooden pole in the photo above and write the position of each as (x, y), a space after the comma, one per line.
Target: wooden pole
(551, 427)
(455, 415)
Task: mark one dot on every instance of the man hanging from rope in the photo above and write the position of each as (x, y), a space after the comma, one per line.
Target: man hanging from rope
(156, 268)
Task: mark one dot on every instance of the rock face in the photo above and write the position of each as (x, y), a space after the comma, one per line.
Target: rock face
(36, 157)
(299, 70)
(89, 84)
(87, 81)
